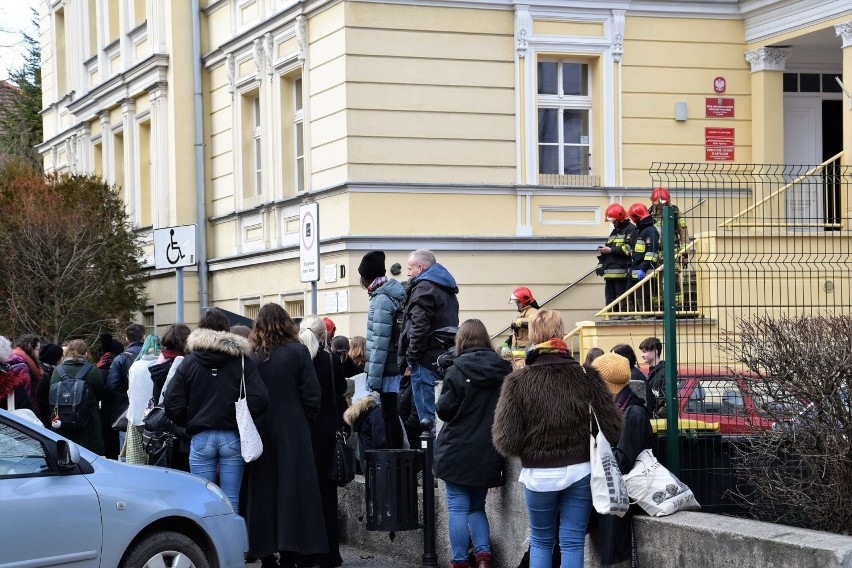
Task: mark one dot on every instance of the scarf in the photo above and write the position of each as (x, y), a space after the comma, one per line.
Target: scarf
(377, 283)
(105, 360)
(553, 346)
(35, 370)
(167, 354)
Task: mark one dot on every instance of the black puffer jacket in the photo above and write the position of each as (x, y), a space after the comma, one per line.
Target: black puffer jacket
(431, 304)
(202, 393)
(543, 412)
(464, 453)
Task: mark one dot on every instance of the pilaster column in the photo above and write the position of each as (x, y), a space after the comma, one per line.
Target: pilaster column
(84, 149)
(844, 31)
(161, 202)
(767, 92)
(106, 148)
(155, 13)
(131, 196)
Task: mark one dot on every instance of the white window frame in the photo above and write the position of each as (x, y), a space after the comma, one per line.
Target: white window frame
(562, 102)
(298, 132)
(257, 145)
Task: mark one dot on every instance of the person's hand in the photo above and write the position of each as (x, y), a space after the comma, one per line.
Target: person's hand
(505, 352)
(604, 250)
(639, 274)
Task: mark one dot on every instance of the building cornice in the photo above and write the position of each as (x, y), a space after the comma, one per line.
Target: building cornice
(766, 18)
(134, 81)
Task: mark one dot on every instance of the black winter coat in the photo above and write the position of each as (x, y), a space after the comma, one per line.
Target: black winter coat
(464, 453)
(431, 304)
(408, 412)
(611, 534)
(202, 393)
(365, 418)
(280, 492)
(330, 416)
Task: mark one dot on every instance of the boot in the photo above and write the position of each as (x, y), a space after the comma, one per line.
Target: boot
(483, 560)
(463, 564)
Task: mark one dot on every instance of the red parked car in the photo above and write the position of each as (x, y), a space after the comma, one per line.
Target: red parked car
(731, 401)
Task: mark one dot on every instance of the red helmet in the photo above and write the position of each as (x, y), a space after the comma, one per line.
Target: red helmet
(330, 328)
(617, 212)
(638, 211)
(661, 196)
(523, 296)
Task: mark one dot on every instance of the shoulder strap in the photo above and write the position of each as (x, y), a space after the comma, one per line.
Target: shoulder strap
(61, 369)
(81, 374)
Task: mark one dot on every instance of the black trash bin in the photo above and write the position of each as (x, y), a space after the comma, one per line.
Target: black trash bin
(391, 490)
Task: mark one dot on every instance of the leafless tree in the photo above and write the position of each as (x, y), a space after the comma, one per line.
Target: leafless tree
(799, 472)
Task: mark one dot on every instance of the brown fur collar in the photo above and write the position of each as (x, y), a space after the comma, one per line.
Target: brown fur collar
(360, 407)
(222, 341)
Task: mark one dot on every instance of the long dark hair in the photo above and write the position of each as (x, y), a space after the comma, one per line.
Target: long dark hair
(471, 333)
(272, 327)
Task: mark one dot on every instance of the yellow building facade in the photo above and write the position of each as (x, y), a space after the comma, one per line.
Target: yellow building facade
(493, 132)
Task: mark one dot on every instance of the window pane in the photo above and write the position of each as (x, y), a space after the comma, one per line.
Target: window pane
(547, 78)
(809, 83)
(577, 160)
(548, 127)
(576, 125)
(791, 82)
(829, 85)
(300, 174)
(548, 159)
(297, 95)
(575, 79)
(256, 111)
(299, 135)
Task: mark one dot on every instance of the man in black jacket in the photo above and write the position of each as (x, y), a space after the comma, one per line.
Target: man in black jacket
(119, 373)
(431, 304)
(651, 349)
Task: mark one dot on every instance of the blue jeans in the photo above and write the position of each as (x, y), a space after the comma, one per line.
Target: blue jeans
(219, 449)
(466, 511)
(572, 506)
(423, 391)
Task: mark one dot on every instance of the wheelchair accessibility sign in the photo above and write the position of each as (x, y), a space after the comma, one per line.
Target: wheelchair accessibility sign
(174, 247)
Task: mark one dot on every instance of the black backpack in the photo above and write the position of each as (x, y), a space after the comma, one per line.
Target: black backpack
(71, 400)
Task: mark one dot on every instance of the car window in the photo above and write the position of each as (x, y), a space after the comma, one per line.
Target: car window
(696, 399)
(723, 397)
(20, 453)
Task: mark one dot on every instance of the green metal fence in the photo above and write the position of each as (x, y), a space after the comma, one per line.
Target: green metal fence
(765, 240)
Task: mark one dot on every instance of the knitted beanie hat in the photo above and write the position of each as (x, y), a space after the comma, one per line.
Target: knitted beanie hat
(372, 265)
(614, 370)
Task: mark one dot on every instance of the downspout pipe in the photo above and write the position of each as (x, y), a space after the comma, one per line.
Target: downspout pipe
(200, 194)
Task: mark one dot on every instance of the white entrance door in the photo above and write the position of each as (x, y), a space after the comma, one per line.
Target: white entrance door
(803, 148)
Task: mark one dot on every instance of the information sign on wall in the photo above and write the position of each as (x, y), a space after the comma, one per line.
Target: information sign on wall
(719, 144)
(718, 107)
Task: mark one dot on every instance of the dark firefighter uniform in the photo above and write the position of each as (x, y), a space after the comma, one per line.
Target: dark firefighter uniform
(646, 257)
(614, 267)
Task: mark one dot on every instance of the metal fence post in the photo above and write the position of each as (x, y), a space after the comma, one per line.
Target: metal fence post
(430, 558)
(670, 339)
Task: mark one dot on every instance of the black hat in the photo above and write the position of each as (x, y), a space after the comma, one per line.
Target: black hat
(372, 265)
(50, 353)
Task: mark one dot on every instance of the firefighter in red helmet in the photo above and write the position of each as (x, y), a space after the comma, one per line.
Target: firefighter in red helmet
(646, 255)
(660, 198)
(614, 257)
(514, 348)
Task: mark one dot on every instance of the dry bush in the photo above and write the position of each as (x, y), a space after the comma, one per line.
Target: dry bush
(800, 472)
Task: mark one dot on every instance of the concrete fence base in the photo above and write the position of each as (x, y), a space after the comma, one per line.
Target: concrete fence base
(694, 540)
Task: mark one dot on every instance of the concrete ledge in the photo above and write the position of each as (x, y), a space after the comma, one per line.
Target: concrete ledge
(694, 539)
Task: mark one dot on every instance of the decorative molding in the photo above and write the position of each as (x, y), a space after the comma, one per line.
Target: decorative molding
(269, 51)
(258, 54)
(845, 32)
(768, 58)
(232, 73)
(617, 35)
(523, 29)
(302, 36)
(71, 152)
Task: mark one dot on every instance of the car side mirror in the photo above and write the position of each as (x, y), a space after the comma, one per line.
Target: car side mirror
(67, 455)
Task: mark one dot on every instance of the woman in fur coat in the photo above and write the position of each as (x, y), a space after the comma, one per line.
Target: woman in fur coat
(201, 397)
(542, 417)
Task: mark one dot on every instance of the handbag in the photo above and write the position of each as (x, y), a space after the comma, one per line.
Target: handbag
(251, 446)
(341, 470)
(657, 490)
(24, 413)
(157, 432)
(609, 492)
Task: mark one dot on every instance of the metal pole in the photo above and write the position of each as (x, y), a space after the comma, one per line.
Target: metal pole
(314, 298)
(670, 338)
(200, 194)
(430, 558)
(179, 295)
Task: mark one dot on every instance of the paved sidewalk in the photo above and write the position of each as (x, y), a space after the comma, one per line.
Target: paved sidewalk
(358, 558)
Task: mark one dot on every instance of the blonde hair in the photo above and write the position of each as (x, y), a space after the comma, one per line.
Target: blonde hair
(77, 350)
(357, 350)
(312, 332)
(546, 325)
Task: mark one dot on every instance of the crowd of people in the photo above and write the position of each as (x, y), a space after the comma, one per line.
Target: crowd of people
(528, 399)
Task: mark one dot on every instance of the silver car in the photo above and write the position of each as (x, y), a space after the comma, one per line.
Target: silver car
(62, 505)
